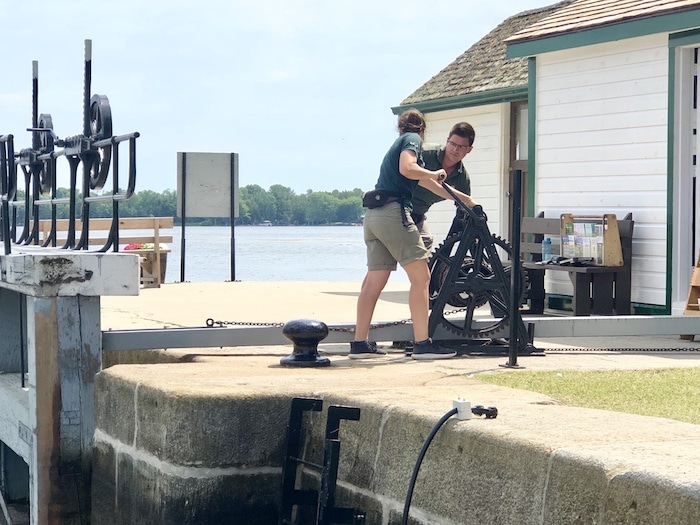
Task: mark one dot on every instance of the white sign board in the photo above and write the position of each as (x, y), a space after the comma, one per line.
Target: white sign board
(207, 183)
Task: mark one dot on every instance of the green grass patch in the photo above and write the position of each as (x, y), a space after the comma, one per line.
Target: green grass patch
(671, 393)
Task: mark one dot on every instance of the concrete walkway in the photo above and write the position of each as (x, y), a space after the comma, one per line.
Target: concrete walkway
(250, 303)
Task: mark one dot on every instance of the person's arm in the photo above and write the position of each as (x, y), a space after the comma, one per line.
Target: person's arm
(409, 168)
(437, 189)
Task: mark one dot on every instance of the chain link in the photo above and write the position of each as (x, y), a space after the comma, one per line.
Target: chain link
(563, 349)
(211, 323)
(577, 349)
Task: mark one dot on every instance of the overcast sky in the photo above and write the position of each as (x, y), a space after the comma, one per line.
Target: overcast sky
(302, 90)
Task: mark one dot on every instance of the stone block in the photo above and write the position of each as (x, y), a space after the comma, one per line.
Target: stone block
(191, 441)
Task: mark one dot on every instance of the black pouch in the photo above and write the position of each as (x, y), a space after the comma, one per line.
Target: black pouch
(378, 198)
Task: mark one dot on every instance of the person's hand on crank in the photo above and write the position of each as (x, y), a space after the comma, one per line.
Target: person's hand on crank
(454, 194)
(440, 175)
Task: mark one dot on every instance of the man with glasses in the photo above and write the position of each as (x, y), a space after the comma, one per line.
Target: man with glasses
(448, 157)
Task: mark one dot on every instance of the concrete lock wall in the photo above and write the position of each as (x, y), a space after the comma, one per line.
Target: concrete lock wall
(187, 444)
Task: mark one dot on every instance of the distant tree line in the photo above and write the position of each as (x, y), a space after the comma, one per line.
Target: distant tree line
(279, 205)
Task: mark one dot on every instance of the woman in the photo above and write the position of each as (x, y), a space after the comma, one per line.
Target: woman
(391, 236)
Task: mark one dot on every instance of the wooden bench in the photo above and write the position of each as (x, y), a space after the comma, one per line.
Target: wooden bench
(153, 260)
(601, 290)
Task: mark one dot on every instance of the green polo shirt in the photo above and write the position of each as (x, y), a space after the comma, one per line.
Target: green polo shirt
(389, 176)
(458, 178)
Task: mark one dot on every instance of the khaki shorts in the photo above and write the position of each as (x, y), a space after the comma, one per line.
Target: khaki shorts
(389, 241)
(425, 233)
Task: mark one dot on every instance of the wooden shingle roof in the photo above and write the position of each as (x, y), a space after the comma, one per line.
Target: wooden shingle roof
(587, 14)
(484, 66)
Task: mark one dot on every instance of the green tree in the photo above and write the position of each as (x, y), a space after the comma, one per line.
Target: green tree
(284, 200)
(300, 208)
(322, 207)
(349, 210)
(262, 205)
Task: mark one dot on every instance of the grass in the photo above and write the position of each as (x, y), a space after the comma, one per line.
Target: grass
(672, 393)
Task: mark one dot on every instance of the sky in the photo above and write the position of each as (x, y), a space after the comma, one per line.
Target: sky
(302, 90)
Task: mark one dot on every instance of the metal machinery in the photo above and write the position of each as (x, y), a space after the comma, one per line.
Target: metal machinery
(51, 434)
(96, 149)
(466, 273)
(317, 503)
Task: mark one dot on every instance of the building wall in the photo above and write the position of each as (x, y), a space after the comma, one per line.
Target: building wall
(601, 145)
(485, 164)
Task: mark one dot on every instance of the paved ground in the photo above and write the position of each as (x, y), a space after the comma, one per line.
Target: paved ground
(191, 304)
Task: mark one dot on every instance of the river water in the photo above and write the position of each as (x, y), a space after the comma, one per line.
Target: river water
(270, 253)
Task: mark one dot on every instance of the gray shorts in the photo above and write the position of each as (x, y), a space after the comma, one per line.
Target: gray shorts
(389, 241)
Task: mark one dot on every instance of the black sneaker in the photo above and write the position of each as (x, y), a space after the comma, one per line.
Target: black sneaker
(426, 350)
(365, 350)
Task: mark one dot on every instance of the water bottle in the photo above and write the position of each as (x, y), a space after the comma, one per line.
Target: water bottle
(546, 249)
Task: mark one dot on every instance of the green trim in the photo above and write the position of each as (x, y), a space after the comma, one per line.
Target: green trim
(649, 309)
(563, 303)
(483, 98)
(675, 41)
(684, 38)
(559, 302)
(532, 133)
(670, 144)
(608, 33)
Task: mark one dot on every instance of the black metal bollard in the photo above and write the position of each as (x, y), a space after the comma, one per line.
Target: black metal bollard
(305, 334)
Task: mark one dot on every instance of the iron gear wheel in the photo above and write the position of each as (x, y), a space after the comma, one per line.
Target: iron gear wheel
(476, 285)
(46, 145)
(100, 128)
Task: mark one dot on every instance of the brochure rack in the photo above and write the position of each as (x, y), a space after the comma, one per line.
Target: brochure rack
(594, 239)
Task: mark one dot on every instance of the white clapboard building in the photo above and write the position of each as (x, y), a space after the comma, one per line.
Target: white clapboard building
(595, 101)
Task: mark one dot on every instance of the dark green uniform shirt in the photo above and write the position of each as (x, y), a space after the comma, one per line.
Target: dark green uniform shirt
(458, 178)
(389, 176)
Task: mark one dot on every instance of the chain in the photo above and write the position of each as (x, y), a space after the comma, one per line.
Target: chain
(211, 323)
(576, 349)
(563, 349)
(374, 326)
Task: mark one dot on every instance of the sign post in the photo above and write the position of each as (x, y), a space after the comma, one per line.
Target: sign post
(207, 186)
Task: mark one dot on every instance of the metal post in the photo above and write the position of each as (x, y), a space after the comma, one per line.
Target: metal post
(291, 496)
(183, 217)
(234, 170)
(515, 271)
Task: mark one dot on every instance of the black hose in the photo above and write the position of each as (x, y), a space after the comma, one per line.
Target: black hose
(416, 468)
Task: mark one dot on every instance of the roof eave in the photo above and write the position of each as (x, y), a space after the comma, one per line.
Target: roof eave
(607, 33)
(481, 98)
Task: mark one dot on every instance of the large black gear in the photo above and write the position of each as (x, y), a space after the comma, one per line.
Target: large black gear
(100, 128)
(478, 278)
(441, 260)
(46, 145)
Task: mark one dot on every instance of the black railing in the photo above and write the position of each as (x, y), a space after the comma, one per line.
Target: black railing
(95, 150)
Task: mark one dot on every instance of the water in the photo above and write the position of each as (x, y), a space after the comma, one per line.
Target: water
(271, 253)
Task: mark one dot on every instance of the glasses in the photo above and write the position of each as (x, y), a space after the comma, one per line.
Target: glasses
(456, 146)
